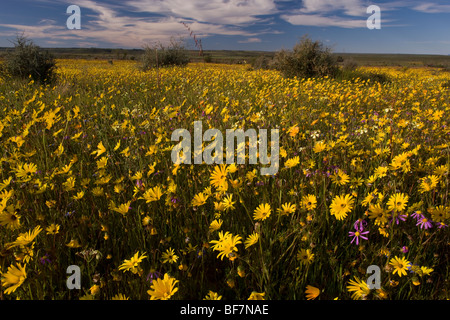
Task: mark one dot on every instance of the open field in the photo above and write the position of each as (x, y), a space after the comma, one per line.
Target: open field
(399, 60)
(239, 57)
(87, 179)
(218, 56)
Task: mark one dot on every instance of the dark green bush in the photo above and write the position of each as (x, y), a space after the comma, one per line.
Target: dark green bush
(262, 62)
(28, 60)
(349, 65)
(354, 74)
(307, 59)
(207, 58)
(175, 54)
(377, 77)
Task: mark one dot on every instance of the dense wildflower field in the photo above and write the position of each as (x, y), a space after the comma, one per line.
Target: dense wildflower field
(87, 180)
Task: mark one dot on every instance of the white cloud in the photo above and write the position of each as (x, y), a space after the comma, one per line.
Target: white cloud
(329, 13)
(251, 40)
(349, 7)
(322, 21)
(338, 13)
(432, 8)
(39, 31)
(110, 25)
(225, 12)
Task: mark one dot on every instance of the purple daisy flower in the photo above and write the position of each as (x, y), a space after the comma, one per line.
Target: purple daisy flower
(360, 224)
(359, 233)
(441, 225)
(424, 223)
(45, 259)
(398, 218)
(417, 215)
(153, 276)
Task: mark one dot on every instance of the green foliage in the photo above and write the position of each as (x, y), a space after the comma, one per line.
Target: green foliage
(353, 75)
(262, 62)
(308, 59)
(350, 72)
(28, 60)
(175, 54)
(349, 65)
(207, 58)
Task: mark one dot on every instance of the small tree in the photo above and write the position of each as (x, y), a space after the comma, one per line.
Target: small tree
(175, 54)
(306, 60)
(27, 59)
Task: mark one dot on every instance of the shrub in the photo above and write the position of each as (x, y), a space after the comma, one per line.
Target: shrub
(378, 77)
(307, 59)
(207, 58)
(349, 65)
(175, 54)
(262, 62)
(345, 74)
(27, 59)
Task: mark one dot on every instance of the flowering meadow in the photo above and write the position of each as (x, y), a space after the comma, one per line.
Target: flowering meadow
(86, 179)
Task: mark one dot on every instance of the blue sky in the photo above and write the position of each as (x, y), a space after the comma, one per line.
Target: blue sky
(418, 27)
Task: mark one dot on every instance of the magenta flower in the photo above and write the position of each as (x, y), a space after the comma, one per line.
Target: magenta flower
(424, 223)
(441, 225)
(153, 275)
(398, 218)
(360, 224)
(45, 259)
(359, 233)
(417, 215)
